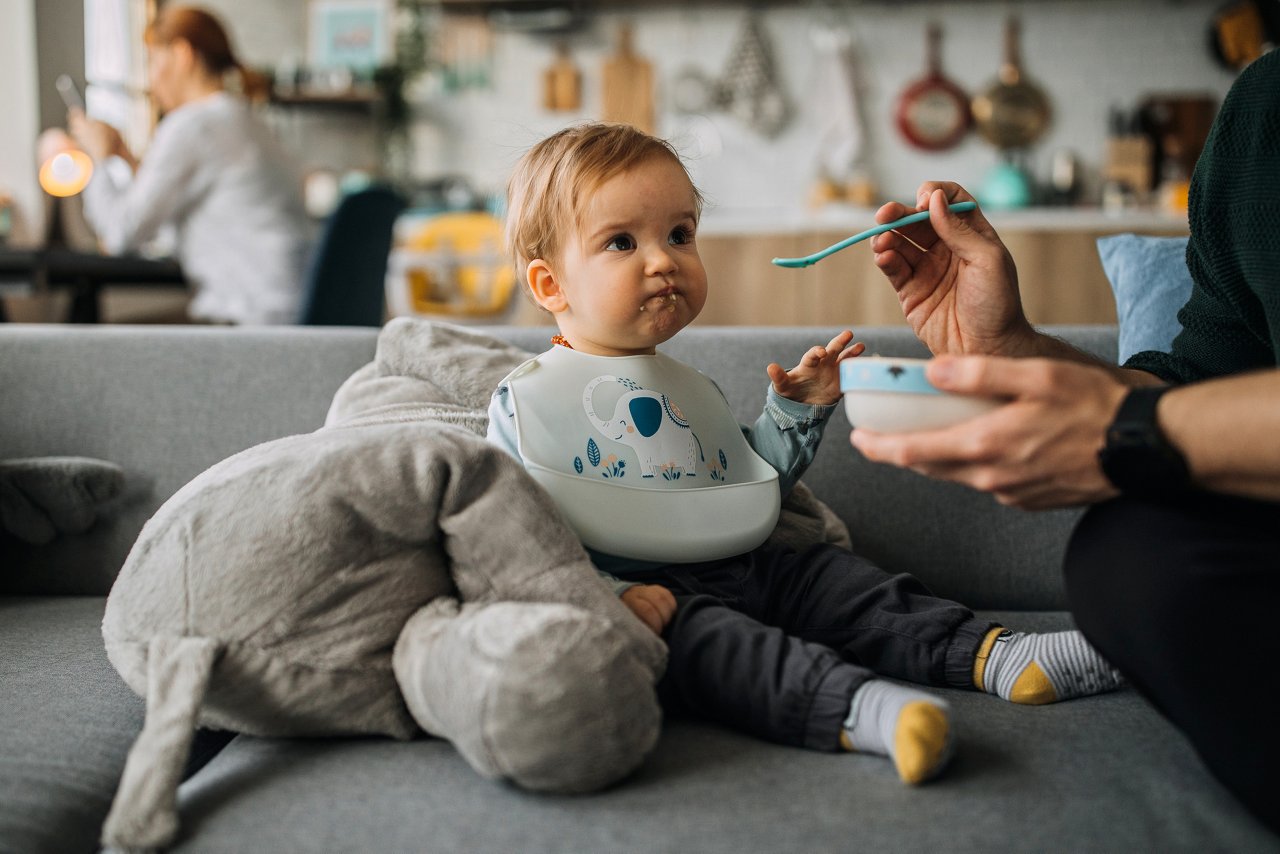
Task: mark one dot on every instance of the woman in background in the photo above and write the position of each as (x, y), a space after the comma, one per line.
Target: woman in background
(212, 174)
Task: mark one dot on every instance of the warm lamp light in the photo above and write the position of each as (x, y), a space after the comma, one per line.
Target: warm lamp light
(66, 173)
(64, 169)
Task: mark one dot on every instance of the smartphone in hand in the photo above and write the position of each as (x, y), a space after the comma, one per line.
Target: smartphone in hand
(70, 92)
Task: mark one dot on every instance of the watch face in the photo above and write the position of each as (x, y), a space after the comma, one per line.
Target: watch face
(1137, 458)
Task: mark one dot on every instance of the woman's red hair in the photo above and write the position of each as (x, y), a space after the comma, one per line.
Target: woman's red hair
(208, 40)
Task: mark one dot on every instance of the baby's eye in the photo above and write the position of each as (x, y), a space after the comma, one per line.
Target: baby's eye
(680, 236)
(620, 243)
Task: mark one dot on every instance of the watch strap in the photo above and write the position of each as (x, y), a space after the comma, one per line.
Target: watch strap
(1138, 458)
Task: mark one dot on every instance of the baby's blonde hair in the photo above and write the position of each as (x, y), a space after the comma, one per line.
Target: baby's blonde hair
(545, 194)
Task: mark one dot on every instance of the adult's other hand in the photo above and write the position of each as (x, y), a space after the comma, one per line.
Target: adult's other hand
(98, 139)
(1038, 451)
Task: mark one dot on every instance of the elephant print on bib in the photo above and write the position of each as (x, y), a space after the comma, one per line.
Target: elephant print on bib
(648, 422)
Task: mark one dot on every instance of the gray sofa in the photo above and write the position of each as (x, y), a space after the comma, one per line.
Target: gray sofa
(1100, 774)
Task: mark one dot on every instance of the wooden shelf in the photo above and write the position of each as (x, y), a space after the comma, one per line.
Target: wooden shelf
(355, 99)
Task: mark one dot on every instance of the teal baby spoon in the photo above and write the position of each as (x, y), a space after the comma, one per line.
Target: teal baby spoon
(809, 260)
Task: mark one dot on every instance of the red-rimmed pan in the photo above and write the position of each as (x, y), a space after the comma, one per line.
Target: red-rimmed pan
(933, 112)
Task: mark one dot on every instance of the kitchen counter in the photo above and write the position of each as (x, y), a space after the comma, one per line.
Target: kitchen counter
(846, 218)
(1059, 273)
(1055, 249)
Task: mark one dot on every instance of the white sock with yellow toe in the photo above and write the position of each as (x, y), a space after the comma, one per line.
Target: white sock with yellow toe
(910, 727)
(1034, 669)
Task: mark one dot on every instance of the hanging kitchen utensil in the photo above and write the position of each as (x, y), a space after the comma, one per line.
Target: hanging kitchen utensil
(750, 80)
(933, 112)
(562, 83)
(694, 92)
(1012, 112)
(840, 135)
(844, 168)
(628, 86)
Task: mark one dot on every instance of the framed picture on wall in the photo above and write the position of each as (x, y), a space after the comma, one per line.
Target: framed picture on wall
(352, 34)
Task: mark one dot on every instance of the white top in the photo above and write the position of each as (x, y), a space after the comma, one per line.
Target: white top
(213, 175)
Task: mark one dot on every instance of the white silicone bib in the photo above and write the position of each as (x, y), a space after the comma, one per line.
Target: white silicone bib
(642, 456)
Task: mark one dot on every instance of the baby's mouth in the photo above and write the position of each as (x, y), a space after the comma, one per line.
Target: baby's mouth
(663, 300)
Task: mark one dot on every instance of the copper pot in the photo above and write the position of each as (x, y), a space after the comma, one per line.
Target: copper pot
(1012, 112)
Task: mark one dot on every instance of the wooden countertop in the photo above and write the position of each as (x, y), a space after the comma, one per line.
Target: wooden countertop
(849, 219)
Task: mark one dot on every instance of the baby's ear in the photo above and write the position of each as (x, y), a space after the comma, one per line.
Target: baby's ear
(544, 286)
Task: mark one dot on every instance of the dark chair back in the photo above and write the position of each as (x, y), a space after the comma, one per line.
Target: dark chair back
(345, 280)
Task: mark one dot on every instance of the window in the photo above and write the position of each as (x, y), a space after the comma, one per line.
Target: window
(115, 67)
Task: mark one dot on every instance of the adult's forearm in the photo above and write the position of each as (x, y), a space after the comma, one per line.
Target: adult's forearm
(1038, 344)
(127, 210)
(1227, 430)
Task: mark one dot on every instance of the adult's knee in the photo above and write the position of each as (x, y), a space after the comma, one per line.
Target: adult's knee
(1151, 583)
(1130, 577)
(1110, 560)
(1143, 578)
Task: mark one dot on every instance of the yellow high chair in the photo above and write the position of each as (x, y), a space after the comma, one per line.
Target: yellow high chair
(452, 265)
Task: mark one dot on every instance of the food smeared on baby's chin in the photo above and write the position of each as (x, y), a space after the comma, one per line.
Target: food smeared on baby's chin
(662, 309)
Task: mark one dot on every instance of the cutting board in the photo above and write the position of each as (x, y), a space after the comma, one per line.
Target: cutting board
(562, 83)
(628, 86)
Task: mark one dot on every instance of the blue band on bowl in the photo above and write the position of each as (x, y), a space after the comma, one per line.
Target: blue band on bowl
(884, 375)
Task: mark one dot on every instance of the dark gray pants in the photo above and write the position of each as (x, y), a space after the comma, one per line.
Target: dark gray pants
(775, 642)
(1180, 596)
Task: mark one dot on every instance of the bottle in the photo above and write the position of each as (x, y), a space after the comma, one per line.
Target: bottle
(1129, 160)
(1064, 178)
(1175, 184)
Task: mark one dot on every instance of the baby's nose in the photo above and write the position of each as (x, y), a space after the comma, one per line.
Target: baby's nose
(660, 261)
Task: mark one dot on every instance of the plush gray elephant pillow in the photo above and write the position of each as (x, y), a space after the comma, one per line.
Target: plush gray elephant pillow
(385, 573)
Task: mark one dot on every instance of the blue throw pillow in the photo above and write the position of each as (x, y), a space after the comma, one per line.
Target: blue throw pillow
(1150, 279)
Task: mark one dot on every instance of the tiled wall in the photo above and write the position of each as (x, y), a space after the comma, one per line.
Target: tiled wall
(1088, 54)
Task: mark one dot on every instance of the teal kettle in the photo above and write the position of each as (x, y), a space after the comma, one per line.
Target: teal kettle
(1006, 187)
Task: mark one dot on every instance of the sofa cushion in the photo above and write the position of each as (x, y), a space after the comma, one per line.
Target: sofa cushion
(162, 403)
(1100, 774)
(66, 723)
(204, 394)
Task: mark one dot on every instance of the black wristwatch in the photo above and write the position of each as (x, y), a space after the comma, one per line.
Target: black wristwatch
(1137, 458)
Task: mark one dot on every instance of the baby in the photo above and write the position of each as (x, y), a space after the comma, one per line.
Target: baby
(675, 500)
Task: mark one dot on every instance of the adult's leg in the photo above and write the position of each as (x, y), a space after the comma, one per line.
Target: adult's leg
(1181, 598)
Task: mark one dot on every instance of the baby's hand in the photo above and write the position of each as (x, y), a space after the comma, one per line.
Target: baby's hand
(816, 380)
(654, 605)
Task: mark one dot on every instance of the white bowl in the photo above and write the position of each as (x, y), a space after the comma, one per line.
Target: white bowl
(889, 394)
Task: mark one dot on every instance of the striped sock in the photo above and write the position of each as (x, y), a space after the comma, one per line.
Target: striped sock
(1034, 669)
(908, 726)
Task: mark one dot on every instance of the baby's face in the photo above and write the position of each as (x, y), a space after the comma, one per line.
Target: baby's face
(631, 273)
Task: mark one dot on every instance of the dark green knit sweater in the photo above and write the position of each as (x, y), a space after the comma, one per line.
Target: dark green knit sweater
(1231, 323)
